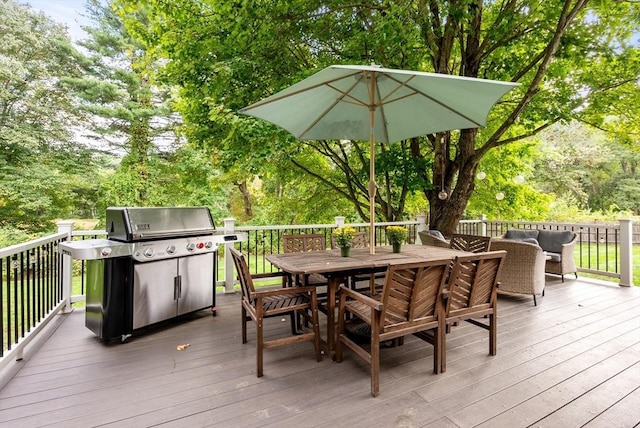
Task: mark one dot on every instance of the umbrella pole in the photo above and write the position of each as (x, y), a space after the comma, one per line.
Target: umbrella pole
(372, 199)
(372, 165)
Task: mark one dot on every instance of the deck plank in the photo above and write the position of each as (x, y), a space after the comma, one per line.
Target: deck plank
(572, 360)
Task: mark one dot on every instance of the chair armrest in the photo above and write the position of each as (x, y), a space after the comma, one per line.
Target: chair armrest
(365, 300)
(269, 275)
(567, 249)
(281, 291)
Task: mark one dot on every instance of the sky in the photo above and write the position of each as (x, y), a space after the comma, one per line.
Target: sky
(68, 12)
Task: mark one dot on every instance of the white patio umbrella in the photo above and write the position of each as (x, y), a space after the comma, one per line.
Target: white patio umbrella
(372, 103)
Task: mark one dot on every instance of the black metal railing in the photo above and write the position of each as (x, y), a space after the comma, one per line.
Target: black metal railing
(30, 288)
(597, 250)
(33, 275)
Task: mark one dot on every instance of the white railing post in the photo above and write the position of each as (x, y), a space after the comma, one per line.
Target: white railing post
(339, 221)
(66, 226)
(422, 222)
(422, 225)
(229, 227)
(626, 252)
(483, 225)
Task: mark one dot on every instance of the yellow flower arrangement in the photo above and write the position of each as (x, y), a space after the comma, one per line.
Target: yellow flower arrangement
(344, 236)
(396, 234)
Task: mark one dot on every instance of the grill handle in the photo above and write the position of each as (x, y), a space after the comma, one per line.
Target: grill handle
(177, 287)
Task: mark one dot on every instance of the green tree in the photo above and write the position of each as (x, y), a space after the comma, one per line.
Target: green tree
(129, 113)
(572, 58)
(40, 161)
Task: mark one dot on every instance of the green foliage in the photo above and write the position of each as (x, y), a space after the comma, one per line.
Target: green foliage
(41, 166)
(225, 54)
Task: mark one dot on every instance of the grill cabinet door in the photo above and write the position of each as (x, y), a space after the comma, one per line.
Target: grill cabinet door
(154, 292)
(196, 277)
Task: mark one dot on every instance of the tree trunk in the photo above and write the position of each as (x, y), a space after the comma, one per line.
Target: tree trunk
(246, 199)
(445, 214)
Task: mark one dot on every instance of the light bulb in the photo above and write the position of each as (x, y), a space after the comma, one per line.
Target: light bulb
(519, 179)
(481, 175)
(499, 196)
(442, 195)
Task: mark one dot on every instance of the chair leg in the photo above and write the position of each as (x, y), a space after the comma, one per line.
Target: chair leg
(493, 334)
(316, 331)
(375, 357)
(244, 325)
(375, 364)
(443, 348)
(339, 333)
(437, 363)
(260, 346)
(296, 323)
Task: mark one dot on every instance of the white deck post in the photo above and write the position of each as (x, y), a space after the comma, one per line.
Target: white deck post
(66, 226)
(483, 225)
(626, 253)
(229, 227)
(422, 225)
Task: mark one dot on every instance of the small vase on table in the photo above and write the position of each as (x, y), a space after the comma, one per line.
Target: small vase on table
(344, 251)
(396, 235)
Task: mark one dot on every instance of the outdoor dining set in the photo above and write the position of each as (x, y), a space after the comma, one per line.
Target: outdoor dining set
(374, 299)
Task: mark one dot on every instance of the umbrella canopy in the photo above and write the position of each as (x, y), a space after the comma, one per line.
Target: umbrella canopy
(379, 105)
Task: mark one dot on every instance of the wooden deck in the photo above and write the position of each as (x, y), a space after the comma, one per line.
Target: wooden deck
(572, 361)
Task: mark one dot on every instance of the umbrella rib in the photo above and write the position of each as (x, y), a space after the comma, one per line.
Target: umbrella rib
(331, 106)
(299, 91)
(431, 98)
(382, 113)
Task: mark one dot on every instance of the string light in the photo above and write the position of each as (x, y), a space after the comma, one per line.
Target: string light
(442, 195)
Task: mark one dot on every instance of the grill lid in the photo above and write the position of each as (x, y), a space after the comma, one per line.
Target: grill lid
(128, 224)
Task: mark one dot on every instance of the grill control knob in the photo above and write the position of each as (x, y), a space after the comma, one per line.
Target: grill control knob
(149, 252)
(105, 251)
(208, 245)
(171, 249)
(191, 246)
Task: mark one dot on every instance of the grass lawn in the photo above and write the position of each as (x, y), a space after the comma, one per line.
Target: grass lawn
(607, 255)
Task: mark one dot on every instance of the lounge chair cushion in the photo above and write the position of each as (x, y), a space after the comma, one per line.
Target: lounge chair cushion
(435, 233)
(552, 240)
(520, 234)
(533, 241)
(554, 257)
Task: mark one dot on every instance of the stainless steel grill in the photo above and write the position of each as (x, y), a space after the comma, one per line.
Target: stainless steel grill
(157, 264)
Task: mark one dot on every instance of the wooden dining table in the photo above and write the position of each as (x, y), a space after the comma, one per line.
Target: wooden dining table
(337, 269)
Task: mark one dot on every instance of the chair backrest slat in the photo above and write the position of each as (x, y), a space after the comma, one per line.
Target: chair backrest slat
(244, 276)
(473, 280)
(359, 241)
(470, 243)
(411, 291)
(303, 243)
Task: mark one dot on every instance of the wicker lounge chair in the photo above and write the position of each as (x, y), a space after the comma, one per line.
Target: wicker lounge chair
(523, 269)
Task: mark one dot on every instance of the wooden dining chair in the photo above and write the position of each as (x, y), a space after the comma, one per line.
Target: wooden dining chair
(470, 243)
(302, 242)
(271, 302)
(305, 242)
(407, 305)
(471, 294)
